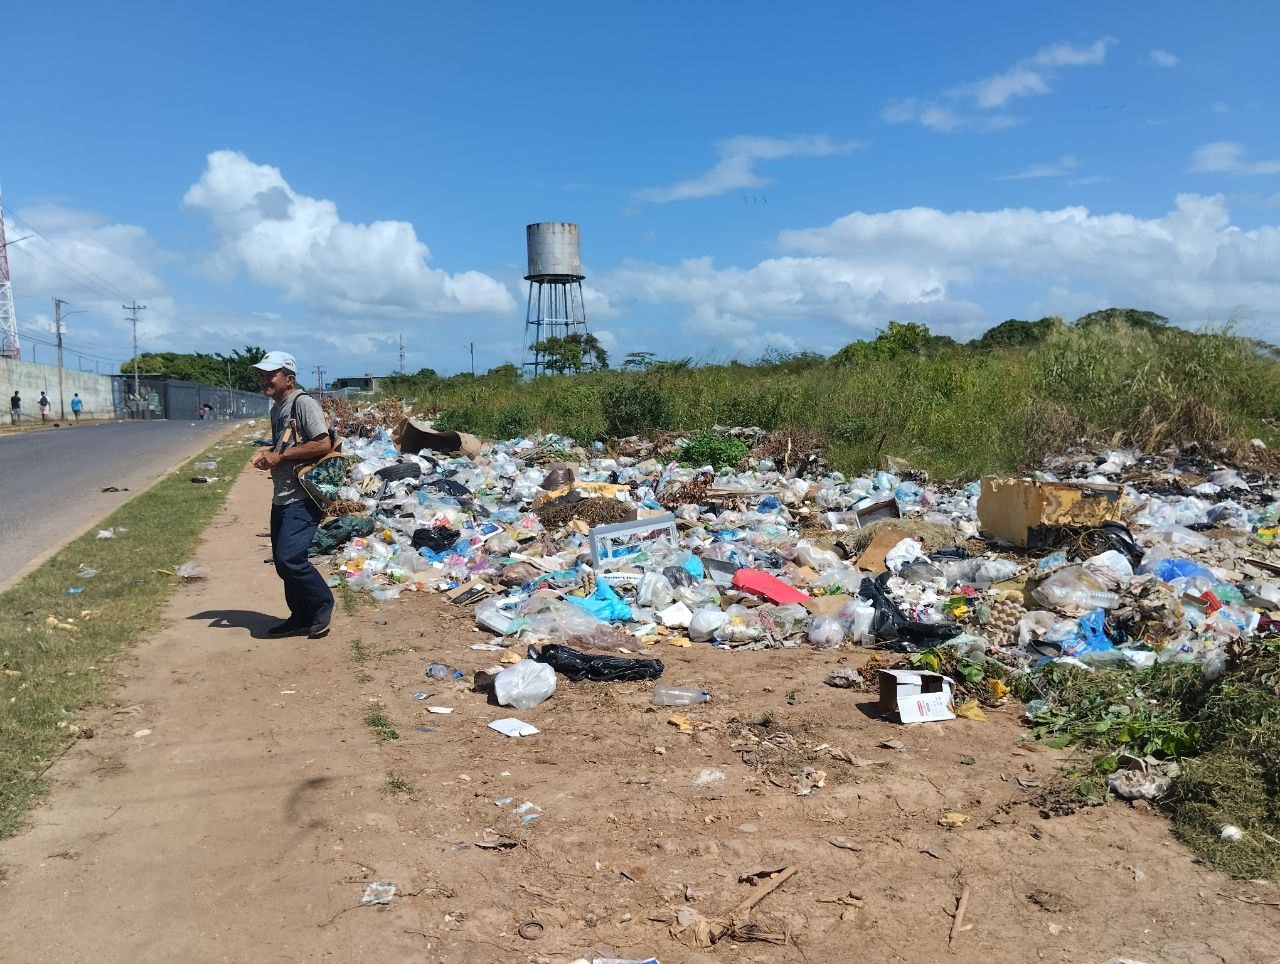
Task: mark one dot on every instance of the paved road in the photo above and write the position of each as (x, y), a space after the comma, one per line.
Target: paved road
(51, 480)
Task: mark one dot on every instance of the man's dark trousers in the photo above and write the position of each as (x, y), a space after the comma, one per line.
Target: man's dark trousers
(292, 526)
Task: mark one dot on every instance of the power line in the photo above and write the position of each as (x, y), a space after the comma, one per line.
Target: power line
(88, 272)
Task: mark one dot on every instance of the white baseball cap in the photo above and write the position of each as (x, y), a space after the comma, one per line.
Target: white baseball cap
(275, 360)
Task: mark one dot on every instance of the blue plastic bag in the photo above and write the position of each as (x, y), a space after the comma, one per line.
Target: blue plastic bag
(604, 603)
(1167, 570)
(1091, 636)
(693, 566)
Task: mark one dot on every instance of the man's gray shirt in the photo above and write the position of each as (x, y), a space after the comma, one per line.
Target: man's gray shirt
(310, 422)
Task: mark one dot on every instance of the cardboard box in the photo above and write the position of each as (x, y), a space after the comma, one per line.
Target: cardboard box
(916, 696)
(1028, 513)
(872, 558)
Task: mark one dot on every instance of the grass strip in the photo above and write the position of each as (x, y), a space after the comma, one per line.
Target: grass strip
(58, 650)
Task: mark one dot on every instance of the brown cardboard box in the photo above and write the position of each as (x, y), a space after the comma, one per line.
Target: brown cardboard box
(872, 558)
(1025, 512)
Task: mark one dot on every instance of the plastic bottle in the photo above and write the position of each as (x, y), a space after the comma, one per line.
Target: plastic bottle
(679, 696)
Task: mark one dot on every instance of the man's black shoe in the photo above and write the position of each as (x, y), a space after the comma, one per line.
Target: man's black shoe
(320, 625)
(290, 627)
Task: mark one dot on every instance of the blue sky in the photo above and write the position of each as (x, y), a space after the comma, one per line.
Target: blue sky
(325, 178)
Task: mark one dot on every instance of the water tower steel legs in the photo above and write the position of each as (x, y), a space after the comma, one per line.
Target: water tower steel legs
(555, 311)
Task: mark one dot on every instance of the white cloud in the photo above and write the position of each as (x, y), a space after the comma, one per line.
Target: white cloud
(1030, 77)
(736, 168)
(959, 271)
(1059, 168)
(1162, 58)
(1227, 157)
(300, 246)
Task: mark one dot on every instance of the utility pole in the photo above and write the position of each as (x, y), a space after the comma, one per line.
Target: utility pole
(320, 380)
(473, 359)
(57, 328)
(402, 356)
(134, 309)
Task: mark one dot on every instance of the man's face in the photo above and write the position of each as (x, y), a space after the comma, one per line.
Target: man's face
(275, 384)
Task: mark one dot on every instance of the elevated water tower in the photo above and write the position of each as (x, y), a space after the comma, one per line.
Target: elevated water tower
(555, 307)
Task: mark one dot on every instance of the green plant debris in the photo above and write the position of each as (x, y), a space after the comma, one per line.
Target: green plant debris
(717, 451)
(1225, 733)
(359, 651)
(52, 675)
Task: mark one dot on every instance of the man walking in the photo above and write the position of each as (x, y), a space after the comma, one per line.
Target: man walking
(76, 405)
(44, 405)
(15, 407)
(299, 435)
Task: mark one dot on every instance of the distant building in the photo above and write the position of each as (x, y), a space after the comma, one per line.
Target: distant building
(358, 383)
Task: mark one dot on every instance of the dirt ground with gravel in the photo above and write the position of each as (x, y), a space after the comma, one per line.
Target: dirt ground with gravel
(234, 804)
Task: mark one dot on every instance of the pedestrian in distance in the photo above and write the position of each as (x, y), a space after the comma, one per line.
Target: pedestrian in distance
(299, 436)
(77, 404)
(44, 405)
(15, 407)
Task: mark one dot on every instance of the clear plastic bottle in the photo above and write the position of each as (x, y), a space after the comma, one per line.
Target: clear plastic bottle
(679, 695)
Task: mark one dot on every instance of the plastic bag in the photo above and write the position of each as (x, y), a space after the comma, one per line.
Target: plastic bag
(655, 591)
(1075, 589)
(604, 603)
(578, 666)
(858, 615)
(825, 632)
(705, 623)
(907, 550)
(741, 625)
(524, 684)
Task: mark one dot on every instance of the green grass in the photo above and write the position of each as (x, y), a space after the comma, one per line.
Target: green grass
(359, 651)
(378, 721)
(951, 409)
(52, 676)
(396, 786)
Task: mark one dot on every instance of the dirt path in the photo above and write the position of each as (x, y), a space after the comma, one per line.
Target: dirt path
(246, 823)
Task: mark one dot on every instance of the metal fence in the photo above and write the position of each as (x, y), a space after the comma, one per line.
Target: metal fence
(176, 399)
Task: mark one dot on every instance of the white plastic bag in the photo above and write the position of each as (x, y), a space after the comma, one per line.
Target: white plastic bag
(524, 684)
(655, 590)
(825, 632)
(705, 623)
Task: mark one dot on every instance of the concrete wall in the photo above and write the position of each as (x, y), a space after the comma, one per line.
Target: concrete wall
(30, 379)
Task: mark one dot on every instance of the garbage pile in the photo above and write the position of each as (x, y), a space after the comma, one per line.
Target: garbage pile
(1112, 557)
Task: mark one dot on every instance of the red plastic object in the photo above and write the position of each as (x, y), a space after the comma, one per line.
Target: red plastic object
(770, 587)
(1211, 602)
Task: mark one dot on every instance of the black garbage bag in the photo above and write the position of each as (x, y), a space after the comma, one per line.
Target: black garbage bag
(601, 669)
(435, 538)
(893, 628)
(951, 552)
(1109, 535)
(336, 533)
(447, 487)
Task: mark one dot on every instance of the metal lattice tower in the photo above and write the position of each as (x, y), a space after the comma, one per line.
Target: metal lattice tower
(555, 307)
(9, 346)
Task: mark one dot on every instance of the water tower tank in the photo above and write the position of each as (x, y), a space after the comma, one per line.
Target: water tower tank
(553, 252)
